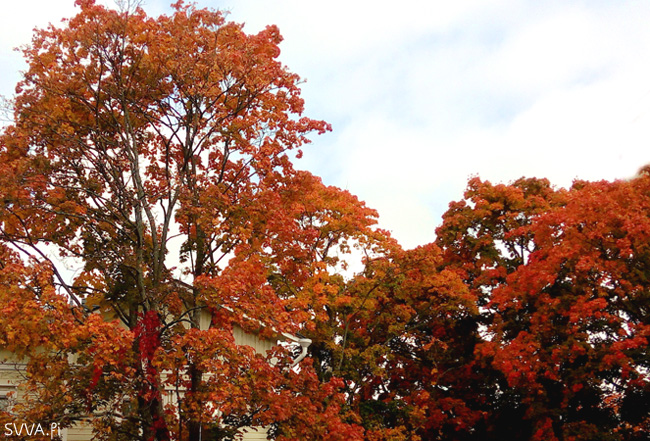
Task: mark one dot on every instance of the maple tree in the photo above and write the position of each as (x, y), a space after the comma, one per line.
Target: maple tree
(144, 150)
(397, 334)
(561, 280)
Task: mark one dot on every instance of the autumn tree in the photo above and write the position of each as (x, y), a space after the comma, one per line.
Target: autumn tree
(560, 277)
(401, 335)
(147, 150)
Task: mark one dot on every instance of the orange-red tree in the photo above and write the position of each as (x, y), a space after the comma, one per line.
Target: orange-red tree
(561, 279)
(144, 150)
(397, 334)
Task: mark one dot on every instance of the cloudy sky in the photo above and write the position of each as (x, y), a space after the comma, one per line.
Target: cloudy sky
(423, 95)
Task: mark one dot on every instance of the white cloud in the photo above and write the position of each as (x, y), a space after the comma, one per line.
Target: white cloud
(18, 19)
